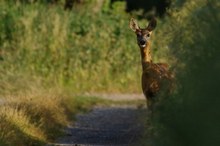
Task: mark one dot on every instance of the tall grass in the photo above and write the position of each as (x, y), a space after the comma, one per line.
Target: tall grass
(68, 48)
(31, 119)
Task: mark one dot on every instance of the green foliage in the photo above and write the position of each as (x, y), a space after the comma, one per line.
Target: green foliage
(68, 48)
(191, 117)
(119, 7)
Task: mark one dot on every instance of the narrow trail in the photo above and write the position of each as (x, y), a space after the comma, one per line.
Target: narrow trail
(106, 126)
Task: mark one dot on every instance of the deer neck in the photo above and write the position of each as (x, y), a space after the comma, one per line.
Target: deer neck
(146, 59)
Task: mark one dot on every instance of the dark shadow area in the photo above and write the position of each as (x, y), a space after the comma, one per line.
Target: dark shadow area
(159, 6)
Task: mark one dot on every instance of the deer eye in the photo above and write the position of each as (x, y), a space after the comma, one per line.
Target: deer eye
(148, 35)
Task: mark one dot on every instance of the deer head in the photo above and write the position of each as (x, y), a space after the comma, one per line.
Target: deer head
(143, 34)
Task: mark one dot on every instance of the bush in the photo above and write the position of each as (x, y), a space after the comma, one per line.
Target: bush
(191, 117)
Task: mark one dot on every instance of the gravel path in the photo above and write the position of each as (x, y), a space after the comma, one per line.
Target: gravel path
(117, 97)
(105, 126)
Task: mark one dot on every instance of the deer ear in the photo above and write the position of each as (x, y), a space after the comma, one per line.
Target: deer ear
(133, 24)
(152, 24)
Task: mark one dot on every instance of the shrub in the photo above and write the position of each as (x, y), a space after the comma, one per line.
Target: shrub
(191, 116)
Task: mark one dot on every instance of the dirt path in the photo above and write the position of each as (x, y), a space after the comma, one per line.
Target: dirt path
(109, 126)
(106, 126)
(117, 97)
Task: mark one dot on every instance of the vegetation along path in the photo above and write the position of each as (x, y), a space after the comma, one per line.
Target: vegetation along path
(115, 125)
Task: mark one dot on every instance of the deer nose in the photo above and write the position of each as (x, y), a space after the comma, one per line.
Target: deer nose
(142, 42)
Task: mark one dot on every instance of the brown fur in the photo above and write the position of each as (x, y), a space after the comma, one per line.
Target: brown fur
(155, 76)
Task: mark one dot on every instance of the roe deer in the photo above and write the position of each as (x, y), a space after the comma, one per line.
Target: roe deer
(155, 76)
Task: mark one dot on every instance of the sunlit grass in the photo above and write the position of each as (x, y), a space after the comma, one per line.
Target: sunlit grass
(16, 127)
(33, 117)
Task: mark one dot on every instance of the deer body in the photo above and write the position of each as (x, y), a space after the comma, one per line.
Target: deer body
(153, 74)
